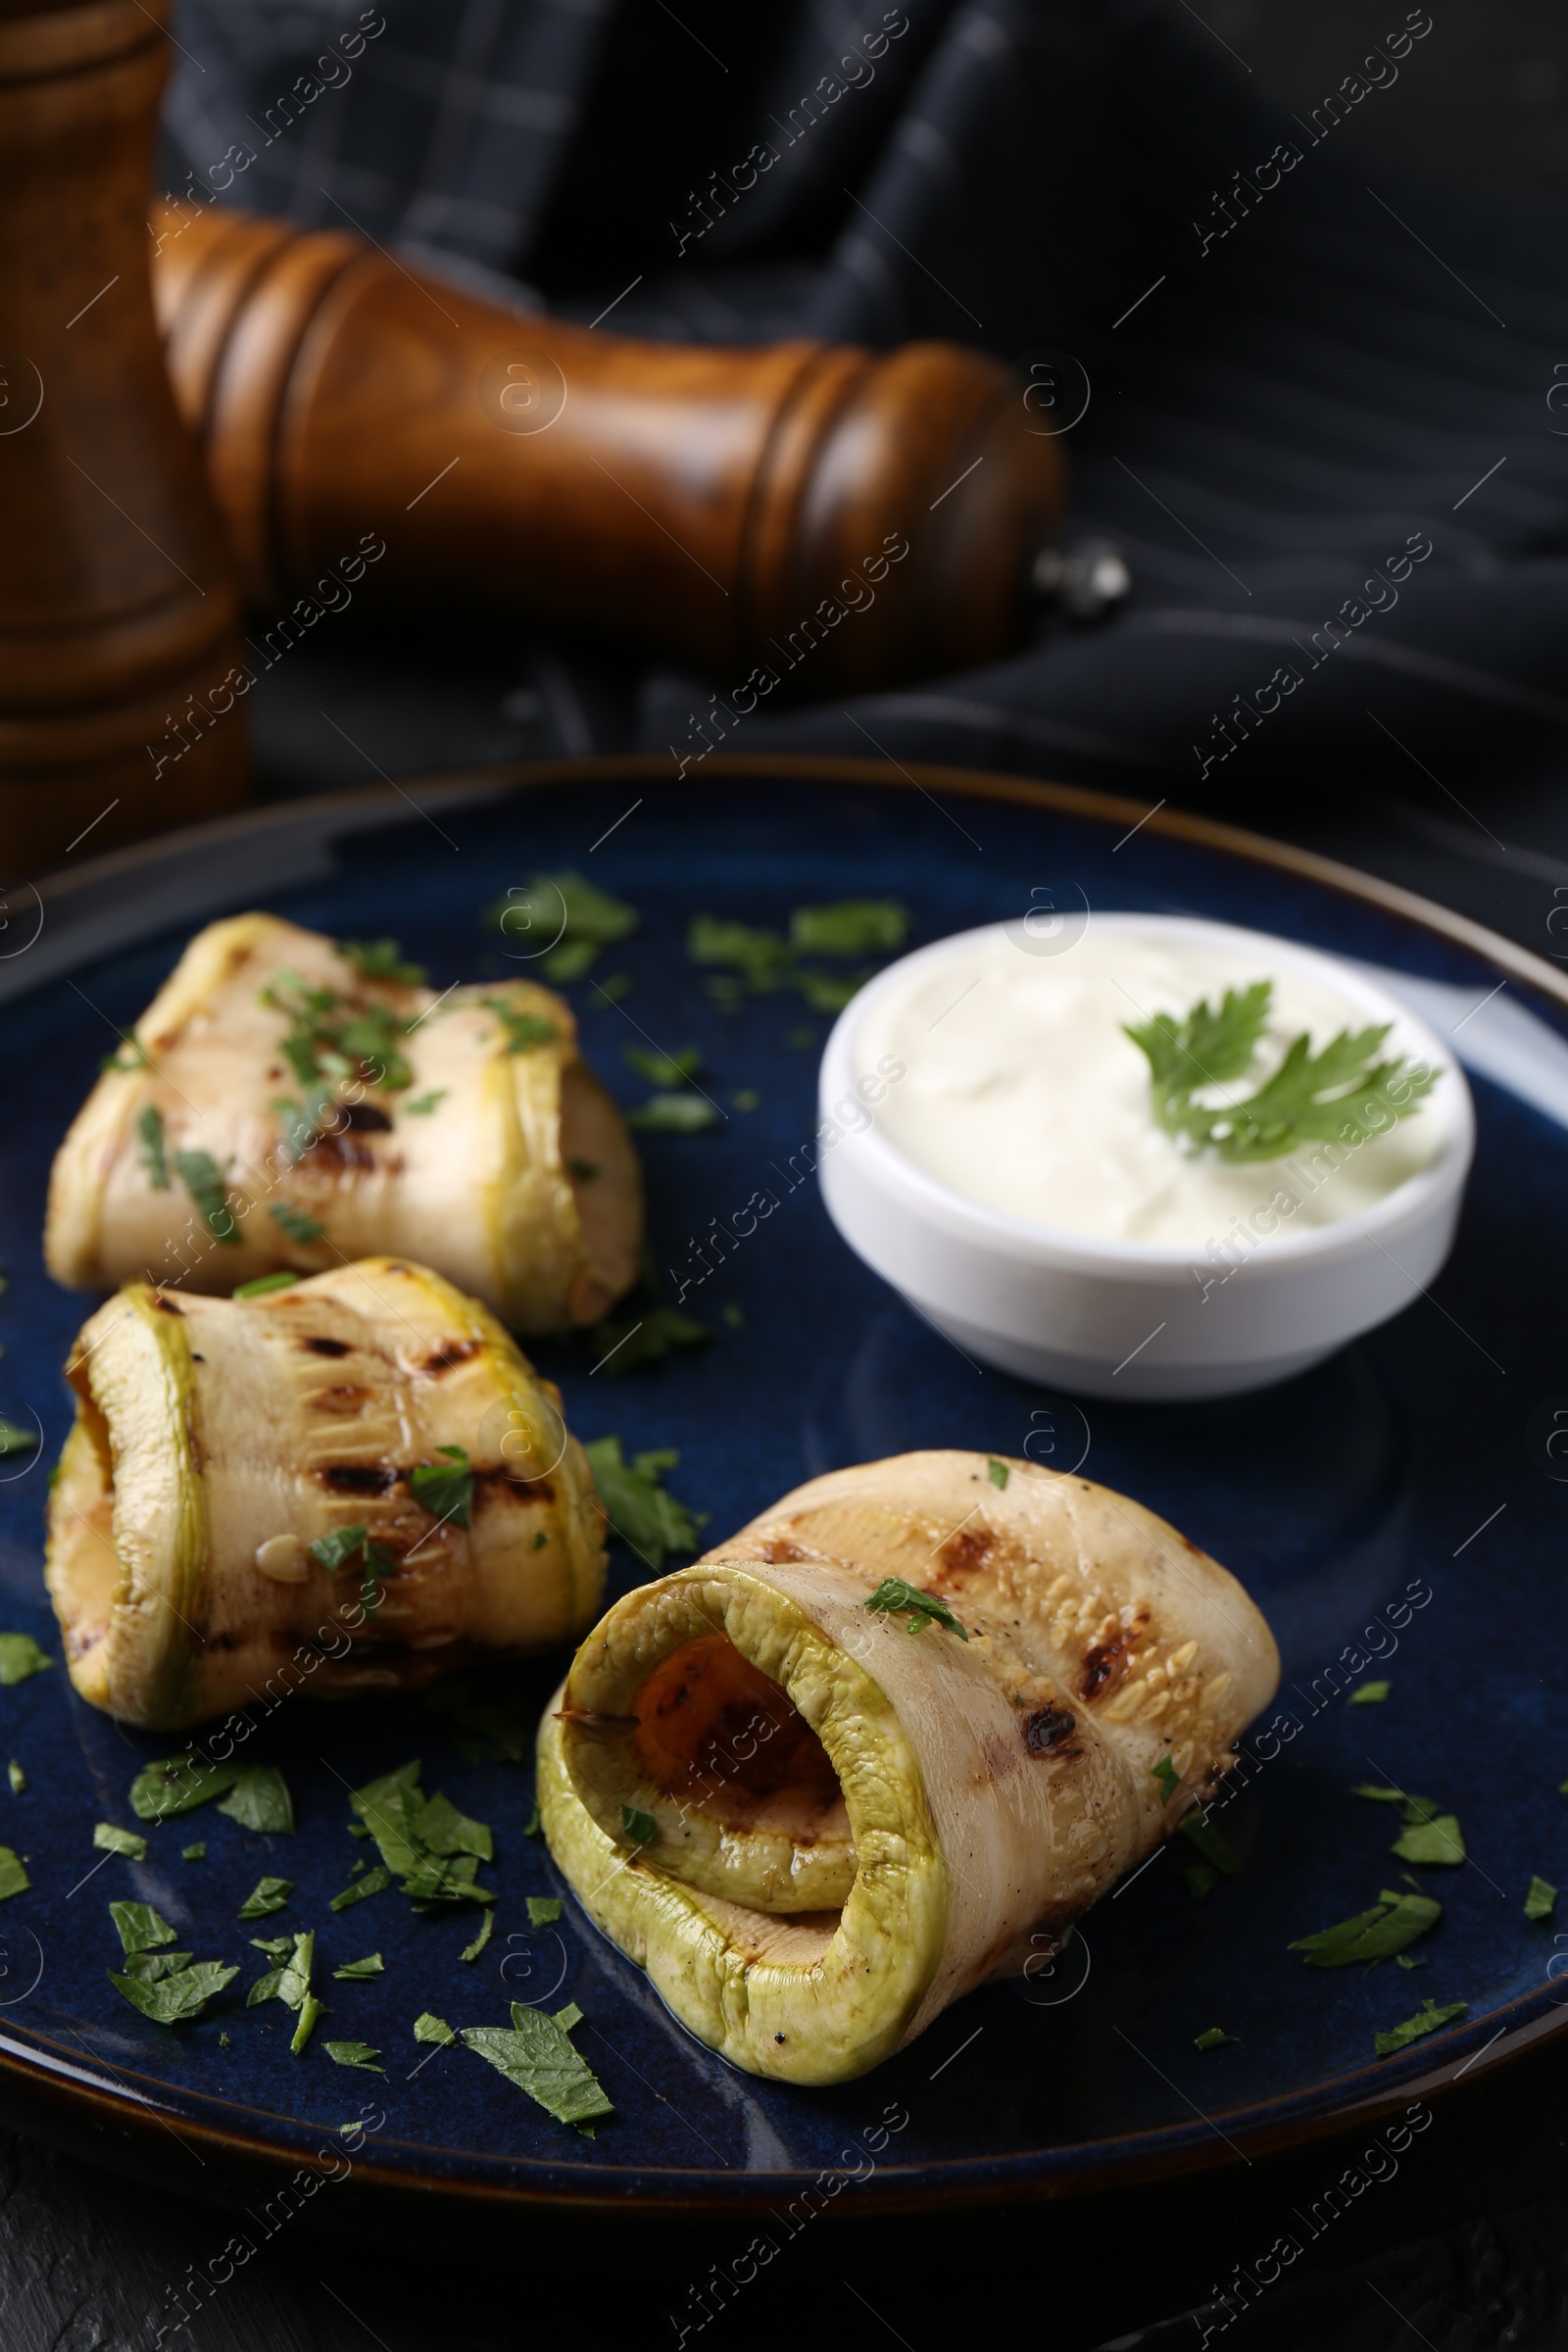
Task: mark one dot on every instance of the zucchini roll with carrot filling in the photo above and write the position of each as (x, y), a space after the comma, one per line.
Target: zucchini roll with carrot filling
(288, 1102)
(888, 1743)
(346, 1484)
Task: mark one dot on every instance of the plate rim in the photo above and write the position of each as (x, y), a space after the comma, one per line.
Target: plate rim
(54, 2085)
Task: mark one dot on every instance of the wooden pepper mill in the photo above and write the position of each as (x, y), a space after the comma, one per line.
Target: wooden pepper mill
(118, 609)
(870, 517)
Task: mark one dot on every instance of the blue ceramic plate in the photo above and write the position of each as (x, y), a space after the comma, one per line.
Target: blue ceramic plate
(1397, 1514)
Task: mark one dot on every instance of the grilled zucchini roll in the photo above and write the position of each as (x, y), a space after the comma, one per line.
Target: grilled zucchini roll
(285, 1102)
(888, 1743)
(353, 1483)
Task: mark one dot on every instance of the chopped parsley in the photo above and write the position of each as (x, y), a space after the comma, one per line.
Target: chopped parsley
(641, 1827)
(493, 1709)
(734, 1317)
(800, 1041)
(428, 2028)
(545, 1909)
(20, 1654)
(14, 1440)
(1440, 1840)
(199, 1173)
(894, 1597)
(265, 1283)
(998, 1473)
(374, 1882)
(328, 1041)
(1541, 1900)
(426, 1842)
(347, 1543)
(620, 1344)
(764, 961)
(295, 1223)
(472, 1952)
(268, 1894)
(354, 1972)
(610, 991)
(850, 927)
(256, 1795)
(173, 1999)
(576, 914)
(530, 1828)
(1170, 1778)
(422, 1104)
(1311, 1098)
(1214, 2038)
(1369, 1694)
(382, 959)
(537, 2055)
(445, 1489)
(674, 1114)
(150, 1145)
(17, 1777)
(1396, 1920)
(111, 1840)
(1219, 1858)
(194, 1853)
(129, 1042)
(668, 1070)
(362, 2054)
(288, 1981)
(639, 1511)
(259, 1800)
(1428, 2019)
(523, 1030)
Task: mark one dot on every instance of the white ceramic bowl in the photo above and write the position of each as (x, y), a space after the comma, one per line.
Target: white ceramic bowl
(1134, 1319)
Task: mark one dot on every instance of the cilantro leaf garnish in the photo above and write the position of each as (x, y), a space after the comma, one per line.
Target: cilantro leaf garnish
(1427, 2020)
(20, 1654)
(1541, 1900)
(1170, 1778)
(428, 2027)
(639, 1509)
(577, 915)
(673, 1114)
(295, 1223)
(150, 1145)
(894, 1597)
(668, 1070)
(173, 1999)
(263, 1284)
(1376, 1935)
(1311, 1098)
(1369, 1694)
(537, 2055)
(545, 1909)
(641, 1827)
(268, 1894)
(1214, 2038)
(445, 1489)
(199, 1173)
(110, 1840)
(362, 2055)
(382, 959)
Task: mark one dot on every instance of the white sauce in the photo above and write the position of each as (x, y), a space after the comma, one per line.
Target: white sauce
(1024, 1093)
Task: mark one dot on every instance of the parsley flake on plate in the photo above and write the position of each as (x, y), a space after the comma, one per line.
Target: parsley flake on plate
(150, 1146)
(295, 1223)
(422, 1104)
(256, 1795)
(382, 959)
(668, 1070)
(621, 1343)
(428, 2027)
(288, 1981)
(180, 1996)
(200, 1174)
(522, 1030)
(567, 917)
(1428, 2019)
(426, 1842)
(14, 1878)
(998, 1472)
(674, 1114)
(492, 1711)
(268, 1894)
(194, 1853)
(259, 1800)
(263, 1284)
(1439, 1841)
(445, 1489)
(852, 927)
(1311, 1097)
(346, 1544)
(894, 1597)
(472, 1952)
(545, 1909)
(537, 2055)
(1220, 1858)
(355, 1970)
(1380, 1934)
(1170, 1778)
(374, 1882)
(17, 1777)
(1213, 2037)
(641, 1827)
(355, 2053)
(1369, 1694)
(16, 1439)
(639, 1508)
(20, 1654)
(1541, 1900)
(111, 1840)
(140, 1928)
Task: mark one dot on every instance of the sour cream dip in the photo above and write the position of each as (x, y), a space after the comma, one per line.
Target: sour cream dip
(1023, 1092)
